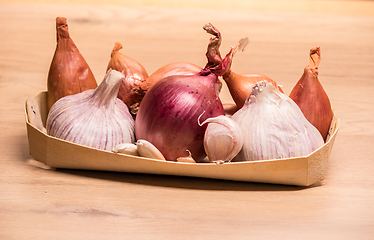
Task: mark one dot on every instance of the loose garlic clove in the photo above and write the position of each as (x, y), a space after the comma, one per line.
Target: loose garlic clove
(274, 127)
(187, 159)
(126, 148)
(223, 139)
(148, 150)
(94, 118)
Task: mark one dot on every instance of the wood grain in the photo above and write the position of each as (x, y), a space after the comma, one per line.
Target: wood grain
(41, 203)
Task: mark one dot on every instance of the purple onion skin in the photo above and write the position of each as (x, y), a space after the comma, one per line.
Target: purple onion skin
(168, 114)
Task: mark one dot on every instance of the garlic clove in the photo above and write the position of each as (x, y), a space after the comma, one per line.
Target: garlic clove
(223, 139)
(148, 150)
(126, 148)
(274, 127)
(187, 159)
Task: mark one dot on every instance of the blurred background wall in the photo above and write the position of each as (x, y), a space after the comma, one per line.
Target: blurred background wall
(365, 7)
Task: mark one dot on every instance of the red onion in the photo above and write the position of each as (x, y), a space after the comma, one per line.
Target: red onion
(177, 68)
(168, 114)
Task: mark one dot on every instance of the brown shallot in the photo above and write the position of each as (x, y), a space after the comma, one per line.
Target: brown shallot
(240, 85)
(134, 85)
(311, 97)
(69, 72)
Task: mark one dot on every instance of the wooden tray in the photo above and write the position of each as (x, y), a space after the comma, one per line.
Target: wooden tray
(57, 153)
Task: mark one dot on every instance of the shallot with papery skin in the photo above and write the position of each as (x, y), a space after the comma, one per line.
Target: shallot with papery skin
(310, 96)
(230, 108)
(240, 85)
(168, 113)
(134, 85)
(95, 118)
(274, 127)
(69, 72)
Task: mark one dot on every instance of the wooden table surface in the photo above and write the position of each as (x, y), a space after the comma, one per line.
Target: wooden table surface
(40, 203)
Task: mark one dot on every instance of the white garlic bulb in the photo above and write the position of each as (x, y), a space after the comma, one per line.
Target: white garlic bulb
(274, 127)
(95, 118)
(223, 139)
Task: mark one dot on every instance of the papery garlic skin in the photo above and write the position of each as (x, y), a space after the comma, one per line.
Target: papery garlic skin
(274, 127)
(94, 118)
(223, 139)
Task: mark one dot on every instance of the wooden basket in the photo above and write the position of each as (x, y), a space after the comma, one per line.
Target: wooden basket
(57, 153)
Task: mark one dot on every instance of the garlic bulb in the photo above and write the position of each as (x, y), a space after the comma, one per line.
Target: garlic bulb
(274, 127)
(95, 118)
(223, 139)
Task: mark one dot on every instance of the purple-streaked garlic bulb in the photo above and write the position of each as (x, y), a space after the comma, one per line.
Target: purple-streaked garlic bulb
(95, 118)
(274, 127)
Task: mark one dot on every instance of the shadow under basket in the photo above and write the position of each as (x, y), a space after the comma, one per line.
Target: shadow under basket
(57, 153)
